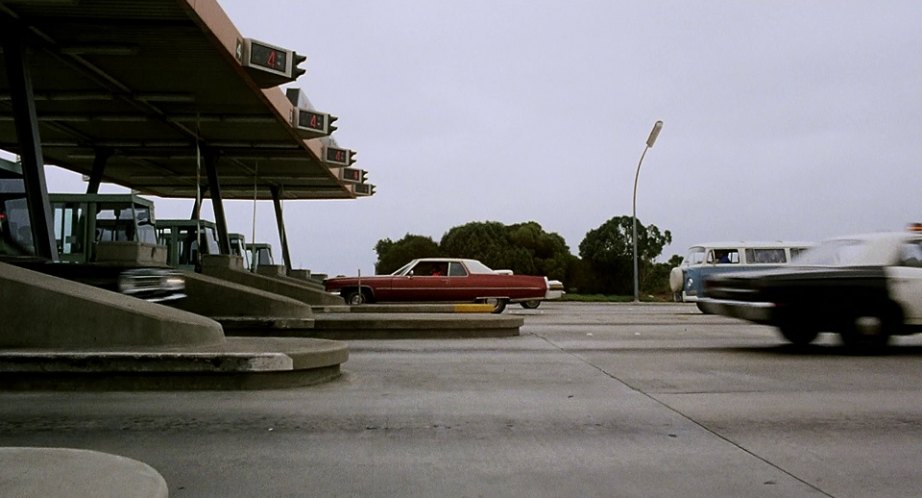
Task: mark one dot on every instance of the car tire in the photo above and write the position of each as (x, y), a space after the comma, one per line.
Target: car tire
(531, 305)
(701, 309)
(870, 330)
(498, 303)
(798, 334)
(355, 297)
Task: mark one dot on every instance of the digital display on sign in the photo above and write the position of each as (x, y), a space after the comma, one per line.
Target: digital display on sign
(352, 175)
(335, 155)
(341, 157)
(364, 189)
(268, 57)
(312, 120)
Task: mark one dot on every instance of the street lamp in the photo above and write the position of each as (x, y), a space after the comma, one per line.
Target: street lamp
(650, 140)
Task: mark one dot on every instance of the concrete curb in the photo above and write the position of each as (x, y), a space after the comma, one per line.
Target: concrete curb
(239, 363)
(344, 326)
(75, 473)
(407, 308)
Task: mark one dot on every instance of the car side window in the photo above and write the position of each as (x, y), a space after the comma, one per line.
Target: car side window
(911, 254)
(456, 270)
(427, 269)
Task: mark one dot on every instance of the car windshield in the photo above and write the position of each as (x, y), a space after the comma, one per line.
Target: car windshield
(403, 269)
(839, 252)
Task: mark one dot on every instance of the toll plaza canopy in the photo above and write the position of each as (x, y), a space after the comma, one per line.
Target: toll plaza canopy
(147, 93)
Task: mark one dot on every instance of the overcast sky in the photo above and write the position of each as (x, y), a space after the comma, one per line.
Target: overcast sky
(792, 120)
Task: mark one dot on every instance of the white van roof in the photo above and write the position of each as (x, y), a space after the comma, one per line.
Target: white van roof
(746, 244)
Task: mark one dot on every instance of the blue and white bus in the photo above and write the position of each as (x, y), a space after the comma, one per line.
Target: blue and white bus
(704, 260)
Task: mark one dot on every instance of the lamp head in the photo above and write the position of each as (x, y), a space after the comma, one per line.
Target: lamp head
(654, 133)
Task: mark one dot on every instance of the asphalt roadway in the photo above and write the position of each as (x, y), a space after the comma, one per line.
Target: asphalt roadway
(591, 400)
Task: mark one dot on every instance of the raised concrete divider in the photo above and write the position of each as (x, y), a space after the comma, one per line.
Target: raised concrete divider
(39, 310)
(215, 297)
(76, 473)
(58, 334)
(230, 268)
(345, 326)
(407, 308)
(279, 272)
(238, 363)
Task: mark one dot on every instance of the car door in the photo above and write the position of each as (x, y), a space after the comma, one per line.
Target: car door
(462, 283)
(905, 280)
(426, 281)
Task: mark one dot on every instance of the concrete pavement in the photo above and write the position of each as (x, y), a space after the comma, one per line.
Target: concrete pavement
(590, 400)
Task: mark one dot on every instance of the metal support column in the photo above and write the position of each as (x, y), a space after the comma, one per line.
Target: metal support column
(99, 166)
(280, 221)
(196, 205)
(30, 149)
(211, 160)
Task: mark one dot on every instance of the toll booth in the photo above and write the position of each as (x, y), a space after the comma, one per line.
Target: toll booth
(106, 227)
(187, 241)
(15, 224)
(260, 254)
(238, 248)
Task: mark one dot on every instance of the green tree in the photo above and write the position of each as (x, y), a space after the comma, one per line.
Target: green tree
(524, 248)
(607, 253)
(548, 252)
(393, 255)
(656, 280)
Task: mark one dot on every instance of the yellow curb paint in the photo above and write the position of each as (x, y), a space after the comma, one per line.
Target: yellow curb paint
(473, 308)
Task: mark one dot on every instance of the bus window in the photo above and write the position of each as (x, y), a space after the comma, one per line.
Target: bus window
(723, 256)
(770, 255)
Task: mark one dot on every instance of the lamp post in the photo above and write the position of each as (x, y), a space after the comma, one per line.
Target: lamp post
(650, 141)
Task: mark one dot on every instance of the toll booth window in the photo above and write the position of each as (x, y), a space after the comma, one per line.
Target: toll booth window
(15, 225)
(456, 270)
(236, 246)
(146, 231)
(69, 225)
(211, 240)
(188, 247)
(263, 256)
(114, 224)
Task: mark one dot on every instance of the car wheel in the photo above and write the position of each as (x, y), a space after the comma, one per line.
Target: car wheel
(530, 305)
(499, 304)
(355, 297)
(701, 309)
(870, 330)
(799, 335)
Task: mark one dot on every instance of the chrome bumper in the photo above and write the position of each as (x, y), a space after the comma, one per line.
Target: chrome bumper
(759, 312)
